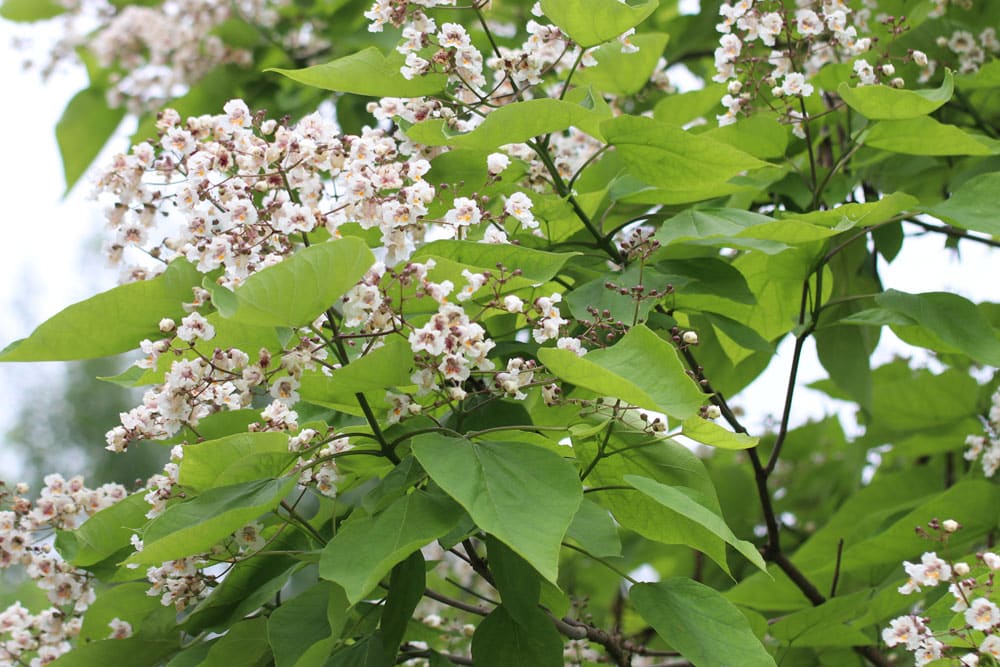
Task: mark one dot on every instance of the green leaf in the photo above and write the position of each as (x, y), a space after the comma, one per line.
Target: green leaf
(535, 265)
(501, 641)
(517, 582)
(713, 435)
(406, 588)
(925, 136)
(682, 108)
(760, 135)
(595, 530)
(826, 624)
(26, 11)
(295, 291)
(620, 73)
(950, 319)
(684, 501)
(130, 603)
(365, 549)
(884, 102)
(641, 369)
(300, 632)
(366, 72)
(510, 124)
(111, 322)
(717, 227)
(133, 651)
(671, 159)
(250, 584)
(196, 525)
(523, 495)
(245, 644)
(701, 624)
(972, 205)
(666, 462)
(383, 368)
(593, 22)
(242, 457)
(105, 533)
(85, 126)
(706, 275)
(369, 652)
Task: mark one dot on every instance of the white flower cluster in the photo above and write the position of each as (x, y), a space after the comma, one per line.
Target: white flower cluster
(987, 447)
(512, 74)
(320, 469)
(447, 349)
(971, 51)
(194, 388)
(37, 639)
(819, 31)
(156, 52)
(971, 593)
(166, 48)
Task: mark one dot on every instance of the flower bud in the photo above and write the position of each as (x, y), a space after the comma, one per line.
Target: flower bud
(690, 337)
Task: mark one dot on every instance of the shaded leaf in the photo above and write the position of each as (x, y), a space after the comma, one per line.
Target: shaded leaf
(501, 641)
(364, 550)
(196, 525)
(697, 621)
(972, 205)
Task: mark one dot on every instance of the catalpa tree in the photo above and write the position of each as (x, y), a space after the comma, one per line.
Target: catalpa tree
(442, 308)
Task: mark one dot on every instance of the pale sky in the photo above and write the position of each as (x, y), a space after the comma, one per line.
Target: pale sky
(50, 259)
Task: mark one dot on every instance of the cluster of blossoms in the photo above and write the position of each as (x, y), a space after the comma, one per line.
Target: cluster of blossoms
(182, 582)
(156, 53)
(970, 50)
(481, 84)
(164, 49)
(978, 631)
(987, 446)
(37, 639)
(195, 387)
(816, 33)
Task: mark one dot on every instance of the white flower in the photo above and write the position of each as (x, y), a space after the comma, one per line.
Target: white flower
(519, 206)
(795, 84)
(195, 326)
(902, 630)
(496, 163)
(982, 614)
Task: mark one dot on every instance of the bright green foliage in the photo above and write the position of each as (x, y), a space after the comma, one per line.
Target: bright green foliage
(366, 72)
(82, 331)
(521, 494)
(445, 378)
(642, 369)
(592, 22)
(296, 292)
(885, 103)
(513, 123)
